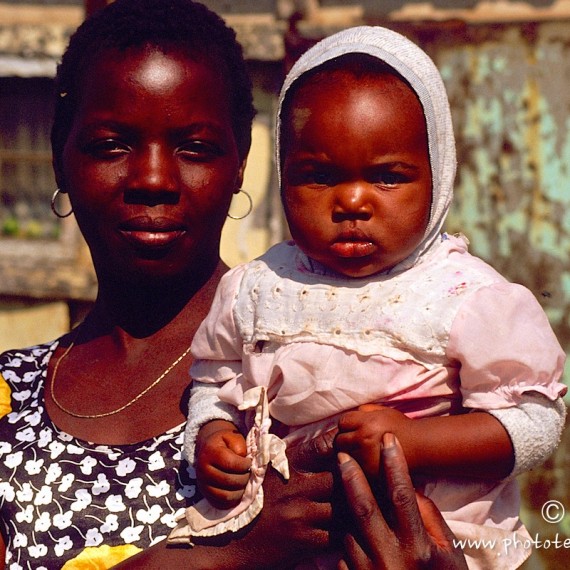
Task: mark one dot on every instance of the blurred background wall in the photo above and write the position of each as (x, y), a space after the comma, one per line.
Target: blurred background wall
(506, 66)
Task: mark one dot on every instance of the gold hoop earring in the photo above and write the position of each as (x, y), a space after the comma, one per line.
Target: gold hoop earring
(53, 206)
(250, 207)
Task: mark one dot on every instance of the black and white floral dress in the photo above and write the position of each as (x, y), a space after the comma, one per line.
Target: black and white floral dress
(68, 503)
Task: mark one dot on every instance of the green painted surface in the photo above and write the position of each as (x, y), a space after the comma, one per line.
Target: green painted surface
(510, 100)
(509, 89)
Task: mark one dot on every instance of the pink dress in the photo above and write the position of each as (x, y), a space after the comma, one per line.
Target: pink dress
(446, 335)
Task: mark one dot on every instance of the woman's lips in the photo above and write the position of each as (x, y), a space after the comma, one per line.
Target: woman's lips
(153, 240)
(153, 233)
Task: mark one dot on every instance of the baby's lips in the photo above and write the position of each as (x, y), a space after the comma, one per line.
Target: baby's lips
(353, 248)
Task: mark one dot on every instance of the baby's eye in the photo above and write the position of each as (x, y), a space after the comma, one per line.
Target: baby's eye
(106, 148)
(320, 176)
(388, 178)
(305, 173)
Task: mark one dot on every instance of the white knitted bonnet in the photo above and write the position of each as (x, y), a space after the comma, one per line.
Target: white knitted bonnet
(418, 69)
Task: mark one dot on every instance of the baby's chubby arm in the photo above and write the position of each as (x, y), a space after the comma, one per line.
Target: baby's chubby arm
(222, 468)
(474, 444)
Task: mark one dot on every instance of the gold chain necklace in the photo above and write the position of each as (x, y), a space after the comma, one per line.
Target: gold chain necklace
(113, 412)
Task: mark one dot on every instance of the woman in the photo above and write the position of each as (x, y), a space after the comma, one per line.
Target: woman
(150, 138)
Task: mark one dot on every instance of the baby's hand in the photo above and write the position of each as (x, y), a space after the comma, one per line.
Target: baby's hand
(222, 469)
(361, 432)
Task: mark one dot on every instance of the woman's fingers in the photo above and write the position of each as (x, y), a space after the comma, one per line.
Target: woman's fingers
(419, 525)
(417, 536)
(360, 497)
(356, 558)
(401, 493)
(376, 545)
(434, 523)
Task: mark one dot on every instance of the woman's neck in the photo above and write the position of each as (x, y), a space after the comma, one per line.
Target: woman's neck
(124, 345)
(142, 310)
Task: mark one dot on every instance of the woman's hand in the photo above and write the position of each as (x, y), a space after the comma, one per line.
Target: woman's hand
(297, 516)
(293, 525)
(417, 536)
(222, 469)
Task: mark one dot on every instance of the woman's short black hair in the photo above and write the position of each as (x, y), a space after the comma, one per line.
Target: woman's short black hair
(160, 23)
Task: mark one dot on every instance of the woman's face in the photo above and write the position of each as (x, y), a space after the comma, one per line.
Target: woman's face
(151, 163)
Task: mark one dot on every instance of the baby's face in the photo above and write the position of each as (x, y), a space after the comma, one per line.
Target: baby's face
(356, 172)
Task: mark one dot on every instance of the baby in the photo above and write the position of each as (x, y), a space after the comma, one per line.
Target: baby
(371, 320)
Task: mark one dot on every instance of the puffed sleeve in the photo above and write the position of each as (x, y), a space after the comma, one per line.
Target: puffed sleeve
(217, 344)
(505, 346)
(216, 349)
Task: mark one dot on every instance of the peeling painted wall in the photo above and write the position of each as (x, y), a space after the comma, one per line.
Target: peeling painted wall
(509, 88)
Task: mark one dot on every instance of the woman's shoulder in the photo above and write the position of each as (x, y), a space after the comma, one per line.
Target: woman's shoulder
(21, 371)
(15, 363)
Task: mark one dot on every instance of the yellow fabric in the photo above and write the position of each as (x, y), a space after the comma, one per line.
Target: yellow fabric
(5, 400)
(101, 557)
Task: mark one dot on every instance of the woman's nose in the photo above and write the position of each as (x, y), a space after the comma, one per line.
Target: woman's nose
(153, 173)
(352, 201)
